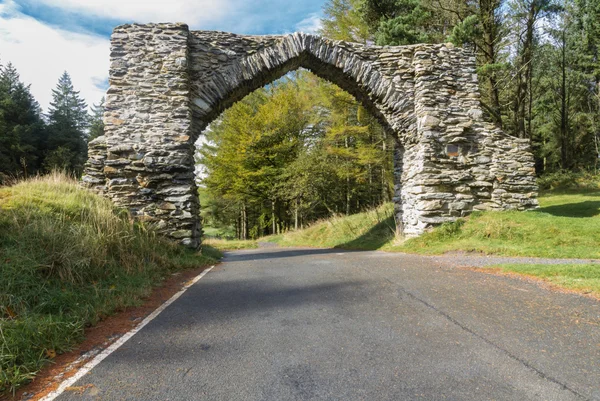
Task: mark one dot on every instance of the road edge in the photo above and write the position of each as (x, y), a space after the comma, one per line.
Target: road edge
(122, 340)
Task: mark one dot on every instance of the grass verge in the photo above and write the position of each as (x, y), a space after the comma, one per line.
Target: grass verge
(567, 225)
(583, 278)
(230, 245)
(368, 230)
(68, 259)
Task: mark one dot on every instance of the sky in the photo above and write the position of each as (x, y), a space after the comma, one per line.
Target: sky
(44, 38)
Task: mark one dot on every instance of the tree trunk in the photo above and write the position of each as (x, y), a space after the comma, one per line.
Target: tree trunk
(490, 27)
(274, 224)
(347, 184)
(563, 108)
(523, 72)
(296, 215)
(384, 191)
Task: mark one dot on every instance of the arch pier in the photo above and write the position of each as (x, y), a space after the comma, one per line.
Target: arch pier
(168, 83)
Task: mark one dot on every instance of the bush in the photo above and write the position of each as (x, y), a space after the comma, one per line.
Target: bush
(69, 258)
(564, 179)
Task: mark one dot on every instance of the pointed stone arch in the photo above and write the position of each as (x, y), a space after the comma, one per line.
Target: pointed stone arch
(168, 83)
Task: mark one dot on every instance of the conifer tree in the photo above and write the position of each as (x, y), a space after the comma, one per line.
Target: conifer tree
(22, 131)
(67, 123)
(96, 123)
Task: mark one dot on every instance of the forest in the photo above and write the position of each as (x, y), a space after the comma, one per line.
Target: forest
(33, 142)
(301, 149)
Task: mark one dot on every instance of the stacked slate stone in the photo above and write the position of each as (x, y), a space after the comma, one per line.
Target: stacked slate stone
(168, 83)
(95, 177)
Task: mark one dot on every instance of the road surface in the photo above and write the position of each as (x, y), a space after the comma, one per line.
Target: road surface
(293, 324)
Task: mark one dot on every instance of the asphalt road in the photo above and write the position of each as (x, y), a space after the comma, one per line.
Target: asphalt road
(281, 324)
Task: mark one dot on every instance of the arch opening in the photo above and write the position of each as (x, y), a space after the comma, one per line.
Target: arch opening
(321, 135)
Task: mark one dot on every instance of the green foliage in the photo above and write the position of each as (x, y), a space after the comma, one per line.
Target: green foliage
(291, 153)
(67, 124)
(68, 259)
(96, 123)
(407, 27)
(398, 22)
(28, 145)
(344, 21)
(22, 131)
(569, 180)
(466, 31)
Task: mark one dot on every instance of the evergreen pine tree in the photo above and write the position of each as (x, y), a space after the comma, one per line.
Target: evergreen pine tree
(22, 131)
(67, 122)
(399, 22)
(96, 123)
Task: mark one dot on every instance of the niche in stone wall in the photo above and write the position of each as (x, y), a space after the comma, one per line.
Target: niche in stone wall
(452, 150)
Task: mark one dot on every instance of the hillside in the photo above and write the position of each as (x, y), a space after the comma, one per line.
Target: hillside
(68, 259)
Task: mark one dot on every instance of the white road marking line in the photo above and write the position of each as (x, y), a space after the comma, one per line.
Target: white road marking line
(114, 346)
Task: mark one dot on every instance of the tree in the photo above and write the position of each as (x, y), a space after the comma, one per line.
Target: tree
(299, 150)
(344, 21)
(67, 124)
(587, 18)
(399, 22)
(22, 131)
(525, 15)
(563, 110)
(480, 24)
(96, 122)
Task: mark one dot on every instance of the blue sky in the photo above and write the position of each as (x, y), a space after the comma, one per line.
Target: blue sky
(43, 38)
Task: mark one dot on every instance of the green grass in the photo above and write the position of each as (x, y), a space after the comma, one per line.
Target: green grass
(584, 278)
(566, 226)
(370, 230)
(230, 245)
(68, 259)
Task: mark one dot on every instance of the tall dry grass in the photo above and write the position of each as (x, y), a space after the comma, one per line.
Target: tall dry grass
(67, 259)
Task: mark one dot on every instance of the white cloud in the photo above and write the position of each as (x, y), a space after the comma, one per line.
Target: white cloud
(41, 53)
(310, 24)
(196, 13)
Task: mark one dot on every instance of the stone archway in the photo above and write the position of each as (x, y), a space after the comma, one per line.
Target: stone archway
(168, 83)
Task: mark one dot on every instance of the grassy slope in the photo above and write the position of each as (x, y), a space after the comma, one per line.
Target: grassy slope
(68, 258)
(230, 245)
(368, 230)
(567, 225)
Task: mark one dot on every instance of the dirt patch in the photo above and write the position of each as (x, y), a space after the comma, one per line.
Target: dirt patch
(98, 338)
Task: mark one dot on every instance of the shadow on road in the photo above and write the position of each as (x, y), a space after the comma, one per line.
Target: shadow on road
(216, 302)
(277, 253)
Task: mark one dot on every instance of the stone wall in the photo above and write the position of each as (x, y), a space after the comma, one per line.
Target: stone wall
(168, 83)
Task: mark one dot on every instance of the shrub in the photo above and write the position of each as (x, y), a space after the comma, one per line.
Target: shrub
(564, 179)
